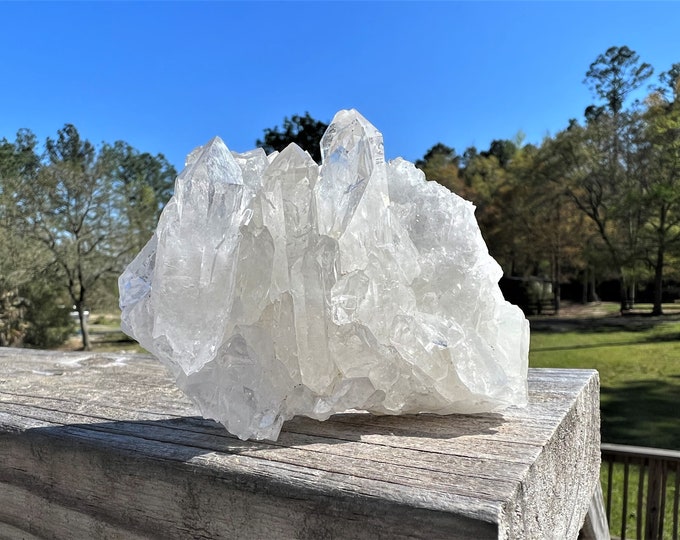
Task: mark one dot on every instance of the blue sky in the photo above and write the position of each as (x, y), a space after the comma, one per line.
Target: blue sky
(166, 77)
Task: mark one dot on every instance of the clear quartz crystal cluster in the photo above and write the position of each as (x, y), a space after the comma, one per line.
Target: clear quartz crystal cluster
(274, 287)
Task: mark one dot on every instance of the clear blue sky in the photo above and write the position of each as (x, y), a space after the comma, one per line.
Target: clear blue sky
(166, 77)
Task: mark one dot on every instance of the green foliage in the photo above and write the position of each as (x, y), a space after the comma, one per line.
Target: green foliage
(12, 322)
(502, 150)
(48, 321)
(600, 198)
(75, 214)
(492, 189)
(304, 131)
(143, 184)
(440, 164)
(19, 257)
(615, 74)
(439, 155)
(71, 209)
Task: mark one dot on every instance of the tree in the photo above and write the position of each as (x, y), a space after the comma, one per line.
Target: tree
(439, 154)
(22, 261)
(503, 150)
(441, 164)
(489, 182)
(48, 320)
(559, 230)
(576, 158)
(604, 184)
(83, 208)
(660, 164)
(145, 183)
(304, 131)
(615, 74)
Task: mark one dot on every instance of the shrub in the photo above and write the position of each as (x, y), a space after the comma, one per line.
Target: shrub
(48, 321)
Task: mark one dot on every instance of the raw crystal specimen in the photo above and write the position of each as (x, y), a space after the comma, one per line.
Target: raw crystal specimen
(274, 288)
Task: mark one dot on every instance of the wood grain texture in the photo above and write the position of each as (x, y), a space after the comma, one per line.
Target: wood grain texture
(105, 446)
(595, 526)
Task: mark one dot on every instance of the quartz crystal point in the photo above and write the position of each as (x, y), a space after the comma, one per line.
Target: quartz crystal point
(274, 287)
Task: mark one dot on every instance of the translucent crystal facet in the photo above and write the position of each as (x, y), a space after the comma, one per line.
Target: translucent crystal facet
(274, 287)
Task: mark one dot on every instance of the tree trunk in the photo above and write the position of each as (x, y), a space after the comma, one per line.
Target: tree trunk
(584, 287)
(631, 294)
(557, 277)
(658, 282)
(83, 328)
(557, 288)
(625, 306)
(593, 289)
(658, 267)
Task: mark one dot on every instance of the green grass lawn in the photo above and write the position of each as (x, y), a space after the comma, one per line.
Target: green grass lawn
(105, 336)
(638, 359)
(639, 365)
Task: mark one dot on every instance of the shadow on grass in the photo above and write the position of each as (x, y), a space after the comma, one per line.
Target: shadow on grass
(590, 346)
(642, 413)
(599, 325)
(122, 339)
(110, 336)
(584, 326)
(663, 338)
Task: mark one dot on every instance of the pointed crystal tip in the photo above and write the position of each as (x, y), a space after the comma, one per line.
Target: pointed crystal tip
(348, 129)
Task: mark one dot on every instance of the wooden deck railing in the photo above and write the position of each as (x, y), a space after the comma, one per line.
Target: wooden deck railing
(641, 491)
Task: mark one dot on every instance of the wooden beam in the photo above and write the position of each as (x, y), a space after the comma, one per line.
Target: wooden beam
(104, 445)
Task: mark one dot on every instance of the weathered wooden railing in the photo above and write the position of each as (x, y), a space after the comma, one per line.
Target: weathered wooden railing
(642, 491)
(104, 446)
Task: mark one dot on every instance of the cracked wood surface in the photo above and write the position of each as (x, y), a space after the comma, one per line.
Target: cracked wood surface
(105, 446)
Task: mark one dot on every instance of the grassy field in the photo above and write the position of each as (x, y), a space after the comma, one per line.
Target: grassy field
(638, 358)
(105, 336)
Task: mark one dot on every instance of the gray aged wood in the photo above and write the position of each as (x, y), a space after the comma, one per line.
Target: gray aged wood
(105, 446)
(596, 526)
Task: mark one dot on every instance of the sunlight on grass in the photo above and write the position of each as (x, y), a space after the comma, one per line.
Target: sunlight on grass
(106, 336)
(638, 360)
(639, 375)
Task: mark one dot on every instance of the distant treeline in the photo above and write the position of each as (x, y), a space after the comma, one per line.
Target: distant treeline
(599, 201)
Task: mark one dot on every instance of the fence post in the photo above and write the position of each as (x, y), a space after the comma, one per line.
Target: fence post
(653, 518)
